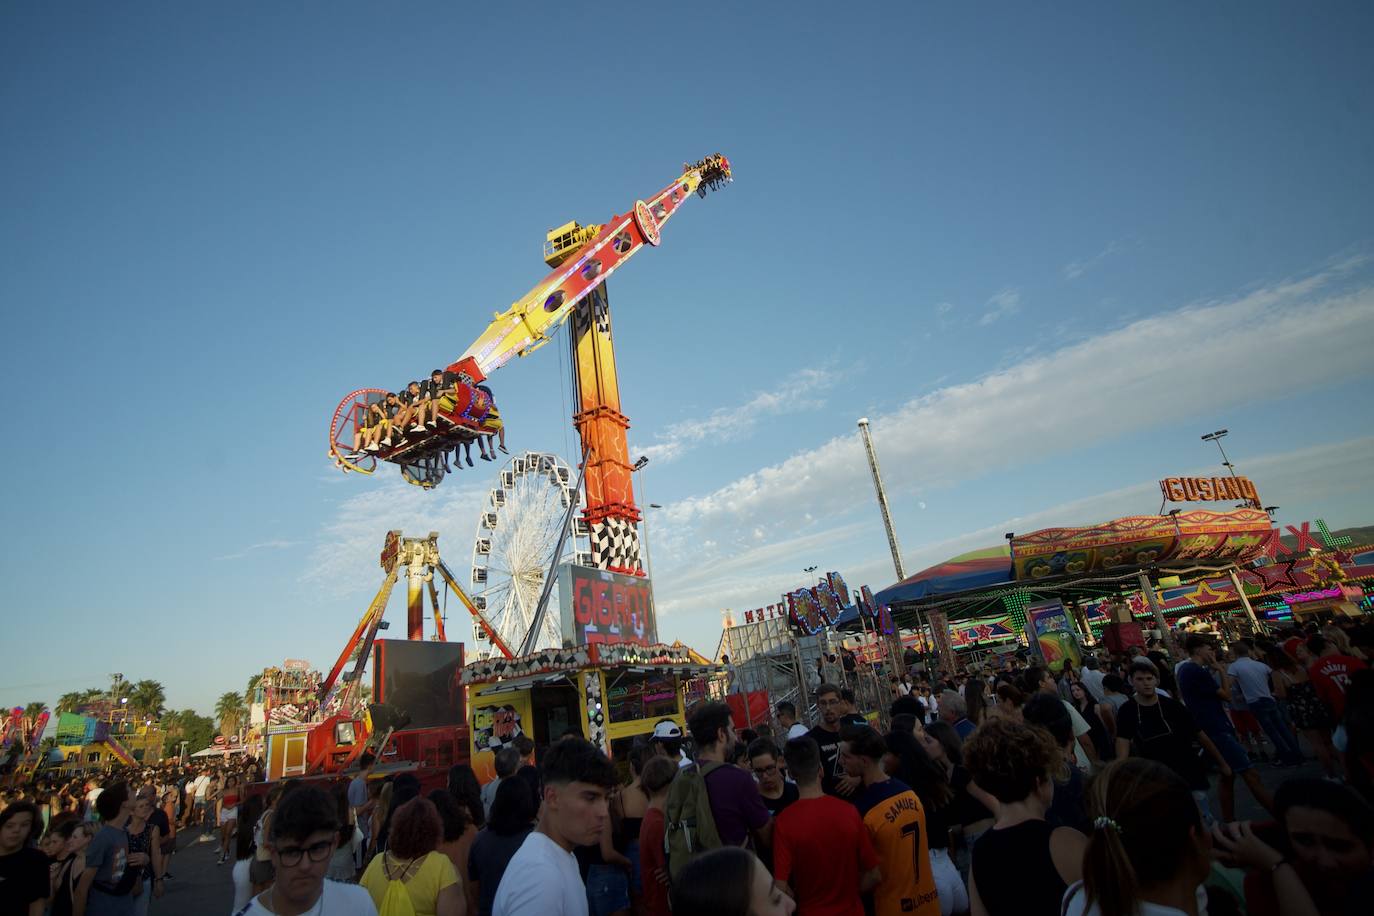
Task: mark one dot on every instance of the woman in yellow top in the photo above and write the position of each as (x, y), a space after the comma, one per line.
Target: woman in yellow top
(427, 876)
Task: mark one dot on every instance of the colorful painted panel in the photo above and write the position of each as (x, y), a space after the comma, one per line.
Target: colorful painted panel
(1140, 540)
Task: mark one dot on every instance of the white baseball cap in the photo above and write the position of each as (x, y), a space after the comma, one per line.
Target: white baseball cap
(666, 730)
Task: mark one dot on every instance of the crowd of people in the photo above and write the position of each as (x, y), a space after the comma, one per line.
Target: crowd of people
(1104, 790)
(419, 409)
(714, 170)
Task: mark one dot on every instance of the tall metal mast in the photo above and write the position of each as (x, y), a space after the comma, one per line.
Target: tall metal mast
(882, 499)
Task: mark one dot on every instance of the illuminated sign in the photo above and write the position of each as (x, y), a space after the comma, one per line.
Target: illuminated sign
(600, 606)
(759, 615)
(1208, 489)
(1334, 593)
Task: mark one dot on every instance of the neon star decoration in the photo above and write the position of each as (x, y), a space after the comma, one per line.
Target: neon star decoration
(1206, 594)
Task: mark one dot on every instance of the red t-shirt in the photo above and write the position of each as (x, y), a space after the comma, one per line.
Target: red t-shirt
(652, 858)
(1330, 674)
(820, 845)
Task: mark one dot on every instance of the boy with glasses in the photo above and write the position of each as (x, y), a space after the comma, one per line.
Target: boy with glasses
(303, 836)
(766, 764)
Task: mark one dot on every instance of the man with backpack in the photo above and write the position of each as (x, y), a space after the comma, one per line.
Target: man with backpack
(717, 803)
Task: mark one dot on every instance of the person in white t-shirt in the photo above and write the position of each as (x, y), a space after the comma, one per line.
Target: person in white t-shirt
(1039, 680)
(787, 719)
(302, 838)
(542, 878)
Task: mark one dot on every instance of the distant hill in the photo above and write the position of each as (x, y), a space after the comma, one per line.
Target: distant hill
(1359, 537)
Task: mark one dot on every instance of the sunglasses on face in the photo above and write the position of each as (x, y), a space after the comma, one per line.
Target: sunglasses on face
(291, 855)
(766, 771)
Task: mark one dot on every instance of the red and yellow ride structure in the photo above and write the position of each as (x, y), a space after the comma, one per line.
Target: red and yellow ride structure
(581, 259)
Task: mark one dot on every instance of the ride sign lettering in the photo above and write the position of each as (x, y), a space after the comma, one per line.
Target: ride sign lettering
(601, 607)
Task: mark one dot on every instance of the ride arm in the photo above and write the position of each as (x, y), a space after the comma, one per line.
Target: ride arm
(477, 615)
(365, 632)
(527, 324)
(439, 633)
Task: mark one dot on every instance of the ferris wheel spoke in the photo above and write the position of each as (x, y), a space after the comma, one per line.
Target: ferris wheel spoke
(529, 523)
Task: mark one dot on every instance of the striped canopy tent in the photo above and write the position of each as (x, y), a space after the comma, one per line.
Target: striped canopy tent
(973, 570)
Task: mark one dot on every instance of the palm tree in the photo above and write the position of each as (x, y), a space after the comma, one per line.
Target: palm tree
(252, 687)
(149, 698)
(70, 702)
(119, 688)
(91, 695)
(231, 712)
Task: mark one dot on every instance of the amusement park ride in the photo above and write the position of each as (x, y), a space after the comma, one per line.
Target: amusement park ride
(508, 615)
(582, 258)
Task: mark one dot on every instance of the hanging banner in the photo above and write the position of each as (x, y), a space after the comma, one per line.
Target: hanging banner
(986, 630)
(497, 720)
(1054, 634)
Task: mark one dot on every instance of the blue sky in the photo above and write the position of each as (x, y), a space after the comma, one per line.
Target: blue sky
(1042, 247)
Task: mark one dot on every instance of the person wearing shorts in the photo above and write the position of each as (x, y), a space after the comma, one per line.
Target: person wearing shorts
(366, 432)
(415, 404)
(440, 389)
(1202, 685)
(492, 427)
(228, 815)
(384, 425)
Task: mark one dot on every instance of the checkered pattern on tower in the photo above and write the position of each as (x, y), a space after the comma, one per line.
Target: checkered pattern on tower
(615, 543)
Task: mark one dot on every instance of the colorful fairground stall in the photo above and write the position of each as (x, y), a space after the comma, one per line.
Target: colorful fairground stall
(610, 693)
(1121, 581)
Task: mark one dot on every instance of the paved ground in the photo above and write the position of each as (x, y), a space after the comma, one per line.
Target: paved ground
(1246, 806)
(198, 885)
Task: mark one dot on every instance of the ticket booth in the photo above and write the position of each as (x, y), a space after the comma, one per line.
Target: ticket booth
(609, 694)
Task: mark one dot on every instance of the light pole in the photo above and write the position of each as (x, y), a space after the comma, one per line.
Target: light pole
(882, 499)
(648, 557)
(1217, 437)
(640, 463)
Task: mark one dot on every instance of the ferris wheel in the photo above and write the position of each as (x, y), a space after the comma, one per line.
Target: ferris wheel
(513, 549)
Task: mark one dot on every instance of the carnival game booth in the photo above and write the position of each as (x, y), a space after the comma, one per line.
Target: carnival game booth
(610, 693)
(1042, 582)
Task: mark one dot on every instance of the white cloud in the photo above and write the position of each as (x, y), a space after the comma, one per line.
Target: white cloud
(1003, 303)
(944, 308)
(690, 594)
(1075, 269)
(1202, 357)
(793, 395)
(262, 545)
(345, 560)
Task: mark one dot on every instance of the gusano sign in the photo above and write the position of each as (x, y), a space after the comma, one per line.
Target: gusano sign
(1208, 489)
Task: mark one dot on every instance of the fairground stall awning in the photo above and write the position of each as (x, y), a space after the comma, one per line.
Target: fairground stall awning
(976, 569)
(1080, 564)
